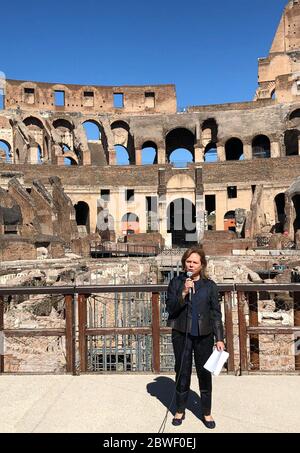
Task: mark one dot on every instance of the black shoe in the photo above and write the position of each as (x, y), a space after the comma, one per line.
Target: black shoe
(209, 424)
(178, 421)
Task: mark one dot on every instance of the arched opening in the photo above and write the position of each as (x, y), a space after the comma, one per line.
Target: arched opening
(122, 155)
(39, 157)
(65, 130)
(180, 157)
(229, 221)
(63, 124)
(82, 217)
(181, 215)
(69, 157)
(69, 161)
(5, 151)
(36, 129)
(149, 153)
(296, 202)
(123, 137)
(17, 156)
(92, 130)
(234, 149)
(261, 147)
(273, 94)
(34, 122)
(211, 153)
(120, 125)
(130, 223)
(181, 140)
(280, 213)
(209, 131)
(291, 142)
(294, 114)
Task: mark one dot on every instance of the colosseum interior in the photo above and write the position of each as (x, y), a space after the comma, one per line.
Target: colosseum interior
(85, 170)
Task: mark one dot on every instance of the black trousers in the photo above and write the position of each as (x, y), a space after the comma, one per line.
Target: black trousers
(184, 346)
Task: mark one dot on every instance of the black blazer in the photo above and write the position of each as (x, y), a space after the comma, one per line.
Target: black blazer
(208, 308)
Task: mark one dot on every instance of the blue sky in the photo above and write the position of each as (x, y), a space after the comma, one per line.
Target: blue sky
(208, 49)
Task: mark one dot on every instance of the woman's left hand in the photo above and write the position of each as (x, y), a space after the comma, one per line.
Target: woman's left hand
(220, 346)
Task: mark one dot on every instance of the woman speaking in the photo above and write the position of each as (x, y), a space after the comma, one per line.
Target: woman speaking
(196, 321)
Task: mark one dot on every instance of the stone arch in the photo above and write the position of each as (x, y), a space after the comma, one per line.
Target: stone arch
(97, 141)
(36, 129)
(234, 149)
(70, 158)
(5, 151)
(229, 221)
(291, 142)
(209, 129)
(130, 223)
(82, 211)
(63, 123)
(123, 137)
(261, 147)
(91, 134)
(280, 216)
(149, 153)
(296, 204)
(294, 114)
(180, 138)
(211, 152)
(64, 128)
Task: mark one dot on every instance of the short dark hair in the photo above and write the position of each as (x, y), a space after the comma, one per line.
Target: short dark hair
(199, 250)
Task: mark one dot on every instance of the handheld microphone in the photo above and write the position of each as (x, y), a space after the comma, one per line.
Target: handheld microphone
(189, 275)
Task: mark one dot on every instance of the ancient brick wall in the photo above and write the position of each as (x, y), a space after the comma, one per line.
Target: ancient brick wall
(90, 99)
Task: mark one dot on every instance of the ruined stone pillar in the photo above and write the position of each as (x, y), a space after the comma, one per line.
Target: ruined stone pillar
(221, 153)
(162, 204)
(199, 204)
(247, 152)
(275, 149)
(32, 155)
(162, 217)
(112, 157)
(138, 157)
(199, 153)
(60, 160)
(86, 158)
(161, 155)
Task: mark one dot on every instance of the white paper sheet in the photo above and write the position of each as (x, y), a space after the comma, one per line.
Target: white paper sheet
(216, 361)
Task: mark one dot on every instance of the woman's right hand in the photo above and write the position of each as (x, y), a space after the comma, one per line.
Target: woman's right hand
(188, 284)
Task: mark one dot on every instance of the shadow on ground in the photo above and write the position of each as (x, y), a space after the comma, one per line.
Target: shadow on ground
(163, 388)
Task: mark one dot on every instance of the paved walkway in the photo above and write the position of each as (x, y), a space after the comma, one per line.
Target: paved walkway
(137, 403)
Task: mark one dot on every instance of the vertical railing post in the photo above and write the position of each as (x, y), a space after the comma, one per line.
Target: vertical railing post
(242, 333)
(297, 324)
(2, 334)
(82, 324)
(70, 334)
(229, 330)
(155, 333)
(253, 322)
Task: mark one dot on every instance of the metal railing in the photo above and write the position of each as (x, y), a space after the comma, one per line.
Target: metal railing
(123, 327)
